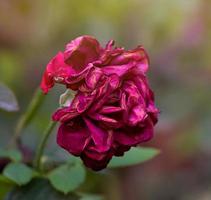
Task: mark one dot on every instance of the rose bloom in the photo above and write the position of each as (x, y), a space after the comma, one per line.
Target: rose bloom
(113, 109)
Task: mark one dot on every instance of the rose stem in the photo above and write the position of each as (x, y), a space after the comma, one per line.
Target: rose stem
(42, 144)
(26, 118)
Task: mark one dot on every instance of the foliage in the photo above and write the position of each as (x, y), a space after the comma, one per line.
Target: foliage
(8, 100)
(14, 155)
(68, 177)
(19, 173)
(133, 157)
(38, 189)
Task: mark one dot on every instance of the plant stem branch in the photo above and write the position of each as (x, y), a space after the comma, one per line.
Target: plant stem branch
(41, 147)
(26, 118)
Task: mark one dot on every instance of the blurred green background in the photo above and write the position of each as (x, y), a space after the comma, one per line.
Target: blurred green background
(176, 35)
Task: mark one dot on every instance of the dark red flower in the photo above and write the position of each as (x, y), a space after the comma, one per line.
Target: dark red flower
(113, 109)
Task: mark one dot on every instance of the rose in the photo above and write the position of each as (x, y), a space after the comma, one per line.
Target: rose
(113, 109)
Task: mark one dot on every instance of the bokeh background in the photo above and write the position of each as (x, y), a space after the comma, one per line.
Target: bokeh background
(176, 35)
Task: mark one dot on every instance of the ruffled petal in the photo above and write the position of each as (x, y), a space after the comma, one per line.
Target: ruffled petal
(73, 137)
(56, 71)
(134, 60)
(109, 122)
(102, 139)
(138, 55)
(110, 109)
(81, 51)
(80, 104)
(131, 136)
(119, 149)
(96, 164)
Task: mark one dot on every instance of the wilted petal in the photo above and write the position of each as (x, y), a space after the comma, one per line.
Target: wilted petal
(133, 60)
(110, 109)
(81, 51)
(64, 114)
(104, 91)
(102, 138)
(109, 45)
(83, 101)
(56, 71)
(137, 115)
(138, 55)
(119, 149)
(132, 136)
(95, 164)
(73, 138)
(93, 77)
(109, 122)
(143, 86)
(79, 104)
(91, 152)
(119, 70)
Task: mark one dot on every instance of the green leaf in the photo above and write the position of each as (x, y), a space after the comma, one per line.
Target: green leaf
(4, 179)
(91, 197)
(67, 178)
(134, 156)
(38, 189)
(18, 173)
(5, 186)
(14, 155)
(4, 189)
(8, 100)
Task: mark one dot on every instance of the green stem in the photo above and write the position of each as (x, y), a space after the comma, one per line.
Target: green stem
(26, 118)
(41, 147)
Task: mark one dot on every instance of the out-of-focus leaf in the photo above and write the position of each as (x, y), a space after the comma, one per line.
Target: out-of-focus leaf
(14, 155)
(91, 197)
(73, 160)
(68, 177)
(38, 189)
(8, 100)
(5, 186)
(18, 173)
(4, 189)
(133, 157)
(4, 179)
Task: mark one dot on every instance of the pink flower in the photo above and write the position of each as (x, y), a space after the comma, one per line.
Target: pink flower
(113, 109)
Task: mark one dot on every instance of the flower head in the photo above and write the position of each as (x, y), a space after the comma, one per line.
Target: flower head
(113, 109)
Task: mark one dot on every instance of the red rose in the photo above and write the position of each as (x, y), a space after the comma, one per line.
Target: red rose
(113, 109)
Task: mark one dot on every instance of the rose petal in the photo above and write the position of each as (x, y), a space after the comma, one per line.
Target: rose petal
(137, 115)
(95, 164)
(120, 149)
(56, 71)
(107, 121)
(110, 109)
(81, 51)
(79, 104)
(74, 138)
(102, 139)
(93, 77)
(136, 60)
(134, 135)
(104, 91)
